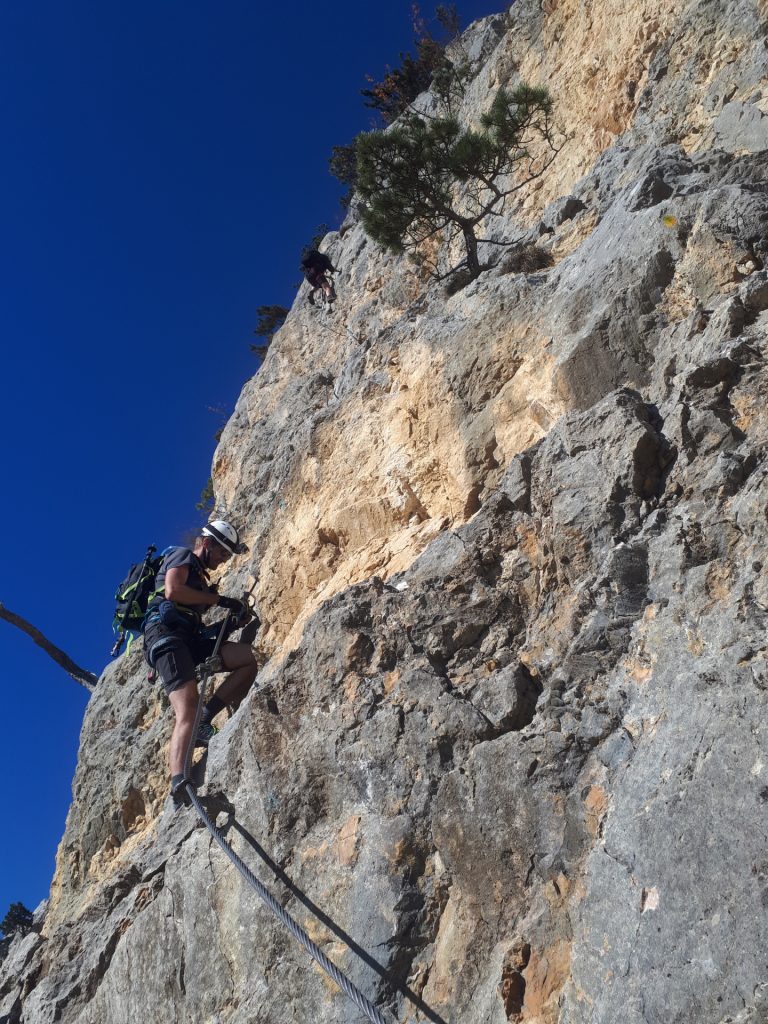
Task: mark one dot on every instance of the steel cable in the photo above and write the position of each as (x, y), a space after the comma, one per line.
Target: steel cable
(354, 993)
(283, 916)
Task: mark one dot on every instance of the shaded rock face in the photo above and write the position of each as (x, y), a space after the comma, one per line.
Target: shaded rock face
(510, 555)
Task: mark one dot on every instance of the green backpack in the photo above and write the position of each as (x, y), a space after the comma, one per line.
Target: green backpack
(132, 597)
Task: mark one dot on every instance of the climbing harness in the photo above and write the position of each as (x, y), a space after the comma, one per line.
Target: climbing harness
(210, 667)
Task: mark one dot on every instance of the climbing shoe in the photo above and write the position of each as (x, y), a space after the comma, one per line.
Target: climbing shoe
(179, 793)
(205, 734)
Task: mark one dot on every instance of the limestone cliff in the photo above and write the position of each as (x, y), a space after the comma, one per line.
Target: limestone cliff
(509, 551)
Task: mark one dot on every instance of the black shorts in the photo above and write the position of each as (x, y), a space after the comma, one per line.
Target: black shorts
(175, 663)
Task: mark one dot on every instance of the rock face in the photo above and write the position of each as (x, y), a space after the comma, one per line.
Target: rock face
(511, 741)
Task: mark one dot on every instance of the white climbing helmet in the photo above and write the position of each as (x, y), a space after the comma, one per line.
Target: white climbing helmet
(225, 534)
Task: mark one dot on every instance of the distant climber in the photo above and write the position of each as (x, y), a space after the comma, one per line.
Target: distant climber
(175, 641)
(316, 266)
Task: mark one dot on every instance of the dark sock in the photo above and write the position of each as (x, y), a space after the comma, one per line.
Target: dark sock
(212, 708)
(176, 781)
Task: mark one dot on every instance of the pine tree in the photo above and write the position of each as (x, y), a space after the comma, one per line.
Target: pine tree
(343, 166)
(396, 91)
(401, 85)
(271, 319)
(207, 498)
(18, 921)
(426, 176)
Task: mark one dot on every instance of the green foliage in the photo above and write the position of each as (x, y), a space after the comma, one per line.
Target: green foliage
(221, 412)
(343, 166)
(261, 350)
(408, 176)
(513, 115)
(207, 498)
(18, 921)
(450, 80)
(271, 319)
(401, 85)
(448, 19)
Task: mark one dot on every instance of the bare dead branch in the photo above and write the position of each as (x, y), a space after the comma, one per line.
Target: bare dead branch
(80, 675)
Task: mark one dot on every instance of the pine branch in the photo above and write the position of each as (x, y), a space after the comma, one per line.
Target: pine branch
(80, 675)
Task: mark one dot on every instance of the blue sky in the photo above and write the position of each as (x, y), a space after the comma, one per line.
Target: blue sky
(162, 167)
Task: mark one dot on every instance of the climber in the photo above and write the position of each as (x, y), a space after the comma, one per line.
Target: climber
(175, 640)
(315, 266)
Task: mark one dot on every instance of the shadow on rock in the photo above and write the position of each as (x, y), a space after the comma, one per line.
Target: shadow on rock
(218, 803)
